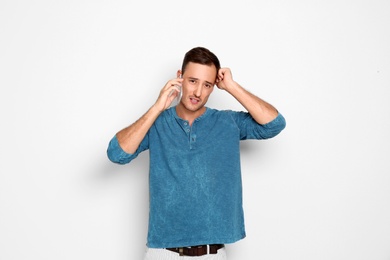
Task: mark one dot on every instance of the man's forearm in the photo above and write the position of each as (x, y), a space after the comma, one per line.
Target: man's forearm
(260, 110)
(130, 137)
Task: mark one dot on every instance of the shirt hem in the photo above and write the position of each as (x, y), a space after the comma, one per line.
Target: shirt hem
(194, 243)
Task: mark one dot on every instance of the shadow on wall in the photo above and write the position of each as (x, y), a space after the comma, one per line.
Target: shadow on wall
(129, 183)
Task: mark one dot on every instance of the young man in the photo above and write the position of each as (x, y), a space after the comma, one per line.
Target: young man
(195, 176)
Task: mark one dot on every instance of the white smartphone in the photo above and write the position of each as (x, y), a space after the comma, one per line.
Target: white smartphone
(176, 101)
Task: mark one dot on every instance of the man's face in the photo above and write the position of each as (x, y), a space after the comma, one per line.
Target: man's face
(198, 83)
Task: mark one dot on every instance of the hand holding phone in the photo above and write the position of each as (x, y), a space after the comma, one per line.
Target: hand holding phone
(176, 101)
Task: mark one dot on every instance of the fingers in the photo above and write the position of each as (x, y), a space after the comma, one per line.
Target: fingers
(169, 92)
(174, 91)
(223, 73)
(173, 87)
(220, 74)
(173, 83)
(224, 78)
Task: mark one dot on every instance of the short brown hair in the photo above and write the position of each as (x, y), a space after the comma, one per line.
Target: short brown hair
(200, 55)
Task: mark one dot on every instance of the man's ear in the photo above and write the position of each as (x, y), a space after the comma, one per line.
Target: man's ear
(179, 74)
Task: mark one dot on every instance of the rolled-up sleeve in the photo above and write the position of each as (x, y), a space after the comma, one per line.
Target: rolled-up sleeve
(274, 127)
(116, 154)
(250, 129)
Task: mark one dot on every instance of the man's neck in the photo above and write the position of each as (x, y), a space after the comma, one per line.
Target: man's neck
(189, 115)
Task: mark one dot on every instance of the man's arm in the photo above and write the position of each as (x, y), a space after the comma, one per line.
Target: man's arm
(130, 137)
(259, 109)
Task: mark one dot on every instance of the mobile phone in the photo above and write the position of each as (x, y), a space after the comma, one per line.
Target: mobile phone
(176, 101)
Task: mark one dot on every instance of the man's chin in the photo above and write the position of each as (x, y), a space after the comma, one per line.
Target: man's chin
(194, 108)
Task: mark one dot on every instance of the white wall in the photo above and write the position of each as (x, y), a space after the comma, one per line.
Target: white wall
(72, 73)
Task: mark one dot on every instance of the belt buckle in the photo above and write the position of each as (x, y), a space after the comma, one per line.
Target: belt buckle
(181, 251)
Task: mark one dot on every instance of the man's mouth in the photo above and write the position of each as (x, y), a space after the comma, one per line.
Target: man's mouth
(194, 101)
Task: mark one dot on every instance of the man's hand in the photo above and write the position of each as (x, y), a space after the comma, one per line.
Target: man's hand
(130, 137)
(260, 110)
(168, 93)
(224, 78)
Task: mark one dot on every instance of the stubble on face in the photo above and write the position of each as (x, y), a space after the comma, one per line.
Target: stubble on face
(198, 84)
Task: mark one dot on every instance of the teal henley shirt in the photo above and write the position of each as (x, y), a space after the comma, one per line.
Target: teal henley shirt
(195, 175)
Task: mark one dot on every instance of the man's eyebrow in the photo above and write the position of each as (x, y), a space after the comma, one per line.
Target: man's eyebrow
(198, 79)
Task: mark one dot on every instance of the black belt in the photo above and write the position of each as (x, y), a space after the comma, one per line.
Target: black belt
(196, 250)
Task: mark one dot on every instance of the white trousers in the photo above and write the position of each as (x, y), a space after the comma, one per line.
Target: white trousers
(163, 254)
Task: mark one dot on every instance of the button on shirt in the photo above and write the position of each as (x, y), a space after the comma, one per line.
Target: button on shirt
(195, 177)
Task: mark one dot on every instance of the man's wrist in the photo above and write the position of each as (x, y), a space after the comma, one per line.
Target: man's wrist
(232, 86)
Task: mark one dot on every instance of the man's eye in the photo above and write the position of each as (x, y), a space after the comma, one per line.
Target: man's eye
(208, 86)
(192, 80)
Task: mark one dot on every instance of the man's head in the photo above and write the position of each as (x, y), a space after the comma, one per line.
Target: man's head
(199, 72)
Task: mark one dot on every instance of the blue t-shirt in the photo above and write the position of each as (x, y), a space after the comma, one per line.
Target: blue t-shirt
(195, 175)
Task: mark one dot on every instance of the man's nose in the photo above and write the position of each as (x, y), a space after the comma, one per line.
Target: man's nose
(198, 90)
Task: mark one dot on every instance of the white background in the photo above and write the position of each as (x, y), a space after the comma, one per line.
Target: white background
(73, 73)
